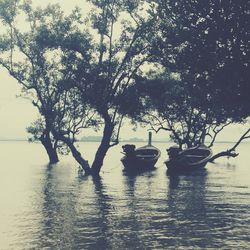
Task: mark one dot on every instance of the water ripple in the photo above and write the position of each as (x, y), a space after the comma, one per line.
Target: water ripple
(55, 208)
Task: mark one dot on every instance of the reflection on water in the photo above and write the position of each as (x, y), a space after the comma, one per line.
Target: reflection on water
(55, 207)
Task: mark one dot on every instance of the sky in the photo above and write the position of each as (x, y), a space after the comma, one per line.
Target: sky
(17, 113)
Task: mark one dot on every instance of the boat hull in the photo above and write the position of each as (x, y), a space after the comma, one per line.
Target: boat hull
(176, 165)
(134, 163)
(143, 158)
(190, 159)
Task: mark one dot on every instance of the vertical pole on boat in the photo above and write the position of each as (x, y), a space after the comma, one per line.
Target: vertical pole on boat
(149, 138)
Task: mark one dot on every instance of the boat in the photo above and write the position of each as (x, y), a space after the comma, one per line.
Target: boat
(188, 159)
(142, 158)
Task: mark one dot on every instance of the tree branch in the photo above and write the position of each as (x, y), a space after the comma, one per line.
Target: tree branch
(216, 132)
(231, 152)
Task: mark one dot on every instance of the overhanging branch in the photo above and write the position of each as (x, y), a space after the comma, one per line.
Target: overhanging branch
(231, 152)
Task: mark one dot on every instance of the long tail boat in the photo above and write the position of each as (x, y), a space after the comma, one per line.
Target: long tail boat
(188, 159)
(140, 158)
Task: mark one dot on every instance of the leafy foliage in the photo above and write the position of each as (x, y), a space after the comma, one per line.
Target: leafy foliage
(202, 47)
(206, 43)
(46, 74)
(77, 74)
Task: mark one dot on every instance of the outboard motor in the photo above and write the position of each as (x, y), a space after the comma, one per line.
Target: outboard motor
(129, 150)
(173, 152)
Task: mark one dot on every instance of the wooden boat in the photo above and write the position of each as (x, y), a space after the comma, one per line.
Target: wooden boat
(188, 159)
(141, 158)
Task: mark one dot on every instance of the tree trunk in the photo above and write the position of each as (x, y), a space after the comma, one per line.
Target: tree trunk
(78, 157)
(51, 151)
(102, 149)
(76, 154)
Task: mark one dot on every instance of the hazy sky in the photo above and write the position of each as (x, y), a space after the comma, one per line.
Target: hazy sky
(16, 113)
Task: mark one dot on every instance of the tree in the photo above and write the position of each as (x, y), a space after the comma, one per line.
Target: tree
(39, 132)
(27, 71)
(66, 69)
(118, 62)
(114, 60)
(44, 76)
(168, 105)
(204, 45)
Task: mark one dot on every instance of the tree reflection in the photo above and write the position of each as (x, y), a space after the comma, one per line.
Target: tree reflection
(58, 209)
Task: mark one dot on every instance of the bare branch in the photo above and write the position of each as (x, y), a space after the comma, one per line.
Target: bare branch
(118, 132)
(216, 132)
(231, 152)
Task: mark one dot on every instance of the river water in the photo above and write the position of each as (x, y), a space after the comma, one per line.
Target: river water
(55, 207)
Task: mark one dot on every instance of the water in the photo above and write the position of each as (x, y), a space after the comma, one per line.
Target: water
(55, 207)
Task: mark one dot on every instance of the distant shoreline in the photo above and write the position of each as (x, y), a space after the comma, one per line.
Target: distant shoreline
(13, 140)
(122, 141)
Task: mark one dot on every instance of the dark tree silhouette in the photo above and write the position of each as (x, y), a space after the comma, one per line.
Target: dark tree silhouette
(118, 60)
(168, 105)
(203, 44)
(29, 72)
(104, 72)
(43, 75)
(206, 43)
(70, 70)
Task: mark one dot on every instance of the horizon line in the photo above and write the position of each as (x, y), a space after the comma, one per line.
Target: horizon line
(126, 140)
